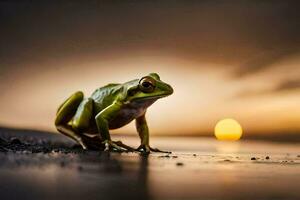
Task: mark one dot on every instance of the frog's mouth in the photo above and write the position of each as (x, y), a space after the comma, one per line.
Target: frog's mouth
(152, 97)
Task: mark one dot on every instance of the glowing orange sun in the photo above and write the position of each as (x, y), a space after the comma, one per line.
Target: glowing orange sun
(228, 129)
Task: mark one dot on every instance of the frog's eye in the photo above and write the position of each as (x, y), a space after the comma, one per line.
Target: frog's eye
(147, 84)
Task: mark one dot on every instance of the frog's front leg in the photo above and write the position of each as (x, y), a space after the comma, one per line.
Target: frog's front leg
(102, 120)
(143, 130)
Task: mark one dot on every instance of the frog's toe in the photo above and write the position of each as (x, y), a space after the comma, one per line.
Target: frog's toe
(128, 148)
(114, 146)
(158, 150)
(146, 149)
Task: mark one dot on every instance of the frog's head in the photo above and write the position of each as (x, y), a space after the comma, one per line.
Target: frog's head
(149, 87)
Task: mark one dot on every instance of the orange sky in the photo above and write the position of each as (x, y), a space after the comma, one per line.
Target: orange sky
(220, 61)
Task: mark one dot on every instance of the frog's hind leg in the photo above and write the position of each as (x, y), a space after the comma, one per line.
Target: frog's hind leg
(81, 123)
(64, 115)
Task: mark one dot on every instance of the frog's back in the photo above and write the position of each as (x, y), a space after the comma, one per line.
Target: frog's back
(104, 96)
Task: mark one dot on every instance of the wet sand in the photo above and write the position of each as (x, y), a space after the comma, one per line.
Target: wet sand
(50, 167)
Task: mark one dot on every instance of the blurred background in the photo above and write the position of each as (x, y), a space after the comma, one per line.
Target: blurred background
(237, 59)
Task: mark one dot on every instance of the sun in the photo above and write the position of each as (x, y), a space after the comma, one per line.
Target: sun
(228, 129)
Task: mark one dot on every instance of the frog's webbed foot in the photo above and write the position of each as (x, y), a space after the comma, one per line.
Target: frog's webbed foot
(146, 149)
(117, 146)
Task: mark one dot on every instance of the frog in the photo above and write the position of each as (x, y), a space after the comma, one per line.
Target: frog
(88, 120)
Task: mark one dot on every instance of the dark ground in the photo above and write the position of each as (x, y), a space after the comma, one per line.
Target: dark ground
(37, 165)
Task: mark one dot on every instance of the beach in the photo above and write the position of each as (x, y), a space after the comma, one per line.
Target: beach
(49, 166)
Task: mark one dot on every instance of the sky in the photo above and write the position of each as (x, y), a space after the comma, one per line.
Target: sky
(224, 59)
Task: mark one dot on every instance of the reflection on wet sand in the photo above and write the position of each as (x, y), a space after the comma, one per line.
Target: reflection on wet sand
(207, 172)
(123, 177)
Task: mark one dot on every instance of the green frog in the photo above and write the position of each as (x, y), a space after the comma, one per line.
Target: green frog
(88, 120)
